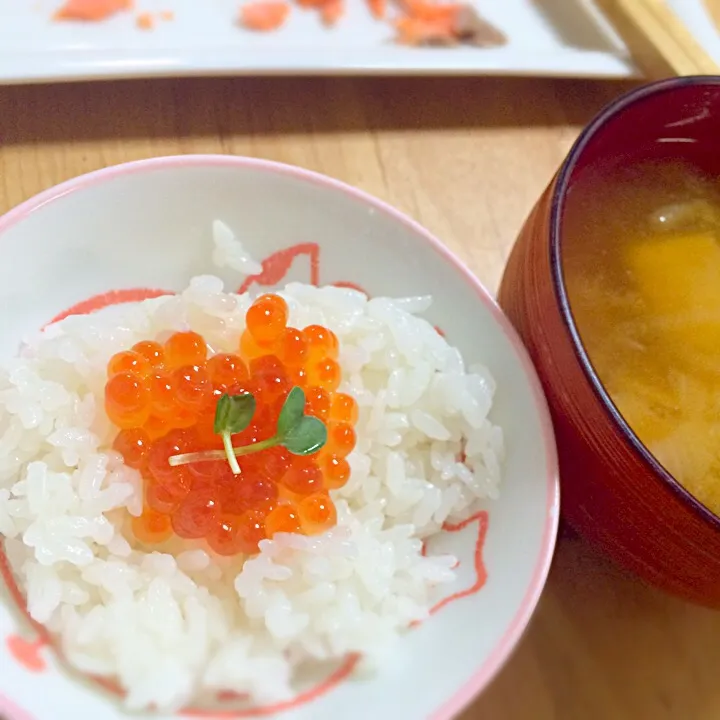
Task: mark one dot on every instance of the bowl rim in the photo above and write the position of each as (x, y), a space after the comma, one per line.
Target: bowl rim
(559, 197)
(500, 653)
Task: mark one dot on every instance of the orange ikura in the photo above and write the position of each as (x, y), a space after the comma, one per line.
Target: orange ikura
(234, 448)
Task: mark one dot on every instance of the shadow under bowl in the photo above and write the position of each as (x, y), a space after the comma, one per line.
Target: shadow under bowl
(615, 493)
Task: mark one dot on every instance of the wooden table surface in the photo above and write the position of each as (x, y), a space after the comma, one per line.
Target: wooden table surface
(467, 158)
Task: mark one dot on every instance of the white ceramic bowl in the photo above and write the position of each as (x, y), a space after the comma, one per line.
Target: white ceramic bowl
(147, 225)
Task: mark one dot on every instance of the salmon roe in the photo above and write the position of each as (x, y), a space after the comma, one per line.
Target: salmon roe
(163, 399)
(128, 361)
(152, 527)
(153, 352)
(267, 319)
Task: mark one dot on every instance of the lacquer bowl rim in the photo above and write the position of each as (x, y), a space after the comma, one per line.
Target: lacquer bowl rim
(488, 666)
(558, 201)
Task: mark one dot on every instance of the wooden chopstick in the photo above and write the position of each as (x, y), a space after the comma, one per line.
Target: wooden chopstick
(713, 8)
(658, 40)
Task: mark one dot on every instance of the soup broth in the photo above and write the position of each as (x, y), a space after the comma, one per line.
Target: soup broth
(641, 261)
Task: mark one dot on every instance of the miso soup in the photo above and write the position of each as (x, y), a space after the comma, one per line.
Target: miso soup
(641, 260)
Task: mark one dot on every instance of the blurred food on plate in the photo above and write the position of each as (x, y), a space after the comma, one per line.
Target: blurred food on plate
(416, 22)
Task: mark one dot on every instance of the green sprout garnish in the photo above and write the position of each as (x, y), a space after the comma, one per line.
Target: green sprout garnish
(301, 434)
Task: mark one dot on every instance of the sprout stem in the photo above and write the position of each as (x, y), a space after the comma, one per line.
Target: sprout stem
(234, 452)
(229, 451)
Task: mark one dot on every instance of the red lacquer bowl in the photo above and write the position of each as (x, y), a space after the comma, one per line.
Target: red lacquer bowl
(614, 492)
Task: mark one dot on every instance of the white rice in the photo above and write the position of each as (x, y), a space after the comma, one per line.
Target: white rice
(175, 626)
(229, 252)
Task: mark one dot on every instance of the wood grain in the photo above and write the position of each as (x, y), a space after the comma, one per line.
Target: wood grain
(467, 158)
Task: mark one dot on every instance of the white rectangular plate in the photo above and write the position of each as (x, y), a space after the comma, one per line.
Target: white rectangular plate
(545, 37)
